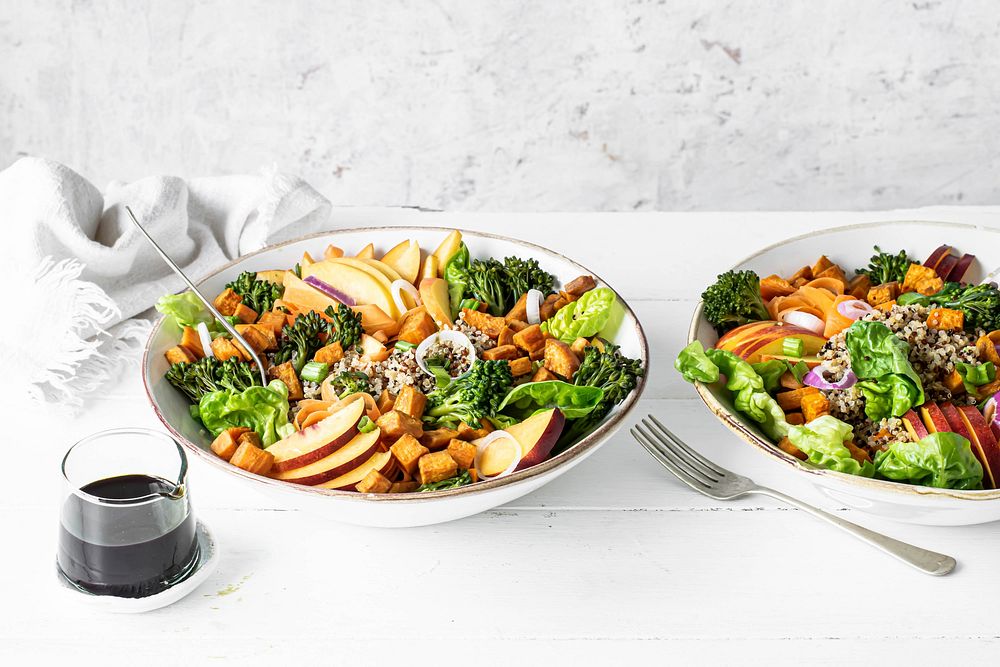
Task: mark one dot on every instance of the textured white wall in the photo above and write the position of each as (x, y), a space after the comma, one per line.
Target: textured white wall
(520, 104)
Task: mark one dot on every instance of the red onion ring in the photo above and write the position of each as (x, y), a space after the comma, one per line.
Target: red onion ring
(330, 291)
(804, 320)
(854, 309)
(815, 378)
(992, 414)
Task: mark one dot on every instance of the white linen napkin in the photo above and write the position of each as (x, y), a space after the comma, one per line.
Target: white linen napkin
(81, 270)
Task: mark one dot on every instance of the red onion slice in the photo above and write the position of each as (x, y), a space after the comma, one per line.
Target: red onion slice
(804, 320)
(816, 378)
(854, 309)
(330, 291)
(992, 414)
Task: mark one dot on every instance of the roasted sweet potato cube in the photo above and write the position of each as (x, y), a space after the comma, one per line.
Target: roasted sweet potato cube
(882, 293)
(946, 319)
(559, 358)
(805, 273)
(330, 354)
(799, 282)
(411, 401)
(463, 452)
(520, 366)
(268, 333)
(245, 314)
(834, 272)
(192, 341)
(225, 445)
(416, 326)
(859, 286)
(435, 467)
(580, 285)
(543, 374)
(579, 345)
(789, 381)
(954, 383)
(887, 306)
(286, 373)
(506, 352)
(251, 437)
(396, 424)
(489, 325)
(407, 450)
(792, 400)
(987, 350)
(549, 306)
(274, 320)
(821, 265)
(774, 285)
(180, 354)
(520, 309)
(923, 279)
(813, 406)
(567, 297)
(380, 337)
(252, 334)
(506, 337)
(517, 325)
(437, 438)
(223, 348)
(858, 454)
(786, 446)
(374, 482)
(530, 338)
(795, 418)
(990, 389)
(385, 401)
(406, 486)
(537, 355)
(252, 459)
(466, 432)
(227, 301)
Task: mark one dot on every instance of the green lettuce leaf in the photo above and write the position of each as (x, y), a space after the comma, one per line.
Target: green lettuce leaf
(822, 440)
(695, 366)
(572, 400)
(185, 309)
(881, 361)
(263, 409)
(456, 274)
(749, 395)
(942, 460)
(582, 318)
(771, 372)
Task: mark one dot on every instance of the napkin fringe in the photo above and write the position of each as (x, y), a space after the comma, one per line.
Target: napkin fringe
(84, 355)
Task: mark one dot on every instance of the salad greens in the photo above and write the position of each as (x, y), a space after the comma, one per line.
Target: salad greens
(456, 274)
(259, 295)
(734, 300)
(885, 268)
(585, 317)
(263, 409)
(695, 366)
(822, 440)
(572, 400)
(208, 374)
(771, 372)
(185, 309)
(942, 460)
(881, 361)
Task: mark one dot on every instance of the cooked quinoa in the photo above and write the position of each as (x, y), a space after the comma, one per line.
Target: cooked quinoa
(480, 340)
(933, 355)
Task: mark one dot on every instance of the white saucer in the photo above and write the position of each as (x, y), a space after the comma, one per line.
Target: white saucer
(208, 558)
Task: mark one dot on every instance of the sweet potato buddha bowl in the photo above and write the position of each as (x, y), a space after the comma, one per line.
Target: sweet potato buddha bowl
(374, 431)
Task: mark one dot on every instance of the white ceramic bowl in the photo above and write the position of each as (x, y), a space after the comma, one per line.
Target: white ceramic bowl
(851, 247)
(395, 510)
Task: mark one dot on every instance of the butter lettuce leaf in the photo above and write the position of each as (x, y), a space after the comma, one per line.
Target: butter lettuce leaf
(881, 361)
(943, 460)
(695, 366)
(573, 401)
(822, 440)
(185, 309)
(263, 409)
(583, 318)
(749, 395)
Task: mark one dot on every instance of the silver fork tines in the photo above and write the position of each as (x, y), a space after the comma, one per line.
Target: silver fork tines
(711, 479)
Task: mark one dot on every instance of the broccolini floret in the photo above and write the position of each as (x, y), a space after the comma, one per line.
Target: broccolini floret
(734, 300)
(524, 275)
(301, 340)
(885, 268)
(979, 303)
(257, 294)
(197, 378)
(471, 397)
(345, 326)
(346, 383)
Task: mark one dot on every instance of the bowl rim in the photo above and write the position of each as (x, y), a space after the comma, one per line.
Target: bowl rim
(582, 447)
(765, 446)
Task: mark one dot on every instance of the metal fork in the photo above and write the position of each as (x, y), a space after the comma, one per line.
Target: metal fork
(714, 481)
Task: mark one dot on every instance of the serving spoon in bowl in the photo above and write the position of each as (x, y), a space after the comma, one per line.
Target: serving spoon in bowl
(208, 304)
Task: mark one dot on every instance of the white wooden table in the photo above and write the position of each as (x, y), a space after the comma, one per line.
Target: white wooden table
(615, 563)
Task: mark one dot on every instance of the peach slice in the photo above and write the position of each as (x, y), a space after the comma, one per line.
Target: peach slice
(318, 440)
(934, 419)
(448, 247)
(342, 460)
(984, 444)
(381, 461)
(434, 294)
(405, 259)
(537, 435)
(915, 427)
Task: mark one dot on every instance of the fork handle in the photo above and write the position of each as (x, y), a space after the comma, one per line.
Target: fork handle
(929, 562)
